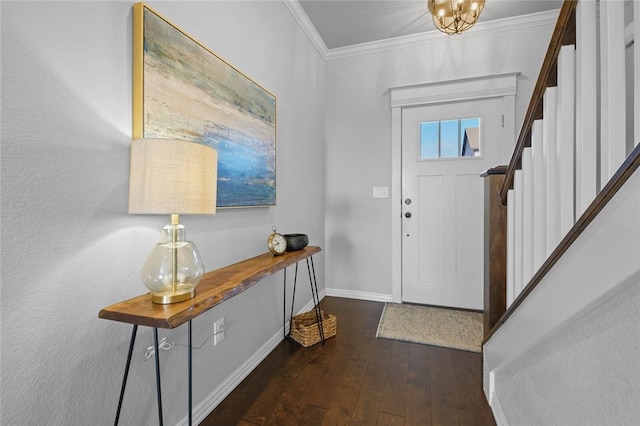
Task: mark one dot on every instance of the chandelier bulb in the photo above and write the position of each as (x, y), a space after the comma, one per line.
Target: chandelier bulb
(455, 16)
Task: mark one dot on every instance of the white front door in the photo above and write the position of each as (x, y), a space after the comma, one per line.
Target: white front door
(443, 203)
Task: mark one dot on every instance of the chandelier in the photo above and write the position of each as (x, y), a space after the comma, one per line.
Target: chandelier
(455, 16)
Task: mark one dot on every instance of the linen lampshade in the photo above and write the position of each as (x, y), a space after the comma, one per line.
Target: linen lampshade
(170, 176)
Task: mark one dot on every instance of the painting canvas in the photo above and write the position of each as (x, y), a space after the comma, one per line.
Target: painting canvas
(182, 90)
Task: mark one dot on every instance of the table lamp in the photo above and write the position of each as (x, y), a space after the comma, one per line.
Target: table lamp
(173, 177)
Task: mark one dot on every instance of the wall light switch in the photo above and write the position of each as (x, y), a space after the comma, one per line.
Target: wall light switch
(380, 192)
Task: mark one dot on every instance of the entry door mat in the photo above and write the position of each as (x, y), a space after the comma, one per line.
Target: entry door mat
(428, 325)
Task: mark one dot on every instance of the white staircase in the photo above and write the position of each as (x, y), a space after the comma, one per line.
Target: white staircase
(569, 343)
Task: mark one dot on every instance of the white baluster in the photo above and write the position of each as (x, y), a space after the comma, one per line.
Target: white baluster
(586, 106)
(636, 71)
(612, 84)
(539, 196)
(527, 216)
(566, 137)
(550, 112)
(511, 232)
(518, 195)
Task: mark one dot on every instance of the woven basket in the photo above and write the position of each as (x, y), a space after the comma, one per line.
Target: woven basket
(304, 327)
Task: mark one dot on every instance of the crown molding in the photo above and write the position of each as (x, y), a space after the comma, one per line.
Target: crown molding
(305, 23)
(435, 36)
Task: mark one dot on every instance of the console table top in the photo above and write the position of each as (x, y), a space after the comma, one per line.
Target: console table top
(214, 288)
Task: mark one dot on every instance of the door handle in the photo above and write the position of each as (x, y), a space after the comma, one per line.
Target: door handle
(407, 215)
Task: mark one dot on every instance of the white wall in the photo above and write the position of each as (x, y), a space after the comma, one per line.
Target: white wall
(69, 248)
(586, 373)
(358, 133)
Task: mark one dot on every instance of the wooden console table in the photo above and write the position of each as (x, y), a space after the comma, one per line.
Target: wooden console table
(214, 288)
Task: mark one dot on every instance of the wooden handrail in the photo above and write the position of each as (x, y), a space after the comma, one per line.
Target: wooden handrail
(564, 34)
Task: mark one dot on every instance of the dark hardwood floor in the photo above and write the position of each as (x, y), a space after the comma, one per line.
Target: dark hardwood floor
(358, 379)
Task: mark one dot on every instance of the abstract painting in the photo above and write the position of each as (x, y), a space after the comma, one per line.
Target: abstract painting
(183, 90)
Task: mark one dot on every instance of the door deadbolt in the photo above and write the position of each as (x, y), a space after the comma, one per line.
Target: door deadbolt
(407, 201)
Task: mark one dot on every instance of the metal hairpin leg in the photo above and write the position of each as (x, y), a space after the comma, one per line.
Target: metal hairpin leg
(316, 297)
(158, 391)
(126, 372)
(158, 387)
(293, 297)
(284, 306)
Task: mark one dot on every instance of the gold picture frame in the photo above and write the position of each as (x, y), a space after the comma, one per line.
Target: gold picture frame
(183, 90)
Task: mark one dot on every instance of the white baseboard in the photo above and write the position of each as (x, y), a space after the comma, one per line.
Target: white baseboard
(202, 410)
(498, 414)
(360, 295)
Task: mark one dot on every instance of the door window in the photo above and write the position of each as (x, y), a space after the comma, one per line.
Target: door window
(450, 138)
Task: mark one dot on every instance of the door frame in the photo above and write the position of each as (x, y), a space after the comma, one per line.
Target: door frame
(467, 89)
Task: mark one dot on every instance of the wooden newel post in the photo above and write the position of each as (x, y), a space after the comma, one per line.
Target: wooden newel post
(495, 248)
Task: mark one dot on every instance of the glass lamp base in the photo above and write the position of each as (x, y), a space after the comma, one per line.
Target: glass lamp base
(168, 296)
(173, 268)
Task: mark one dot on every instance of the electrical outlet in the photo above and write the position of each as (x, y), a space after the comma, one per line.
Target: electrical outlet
(218, 330)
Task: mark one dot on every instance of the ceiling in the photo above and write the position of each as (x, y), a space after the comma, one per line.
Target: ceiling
(343, 23)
